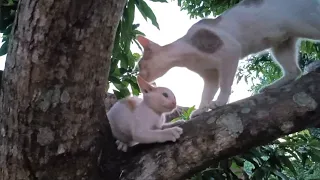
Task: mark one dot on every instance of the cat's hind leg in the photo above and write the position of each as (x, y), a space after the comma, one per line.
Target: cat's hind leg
(286, 54)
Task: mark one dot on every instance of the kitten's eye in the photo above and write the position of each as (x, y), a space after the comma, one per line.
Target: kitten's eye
(165, 95)
(145, 91)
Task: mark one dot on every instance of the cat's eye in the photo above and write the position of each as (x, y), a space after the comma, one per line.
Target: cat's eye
(145, 91)
(165, 95)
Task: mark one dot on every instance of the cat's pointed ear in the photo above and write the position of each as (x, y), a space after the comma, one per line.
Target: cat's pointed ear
(147, 44)
(144, 86)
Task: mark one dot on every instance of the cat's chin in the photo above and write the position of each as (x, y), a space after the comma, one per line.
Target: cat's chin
(169, 110)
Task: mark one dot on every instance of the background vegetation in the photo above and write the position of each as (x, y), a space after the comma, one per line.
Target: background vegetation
(295, 156)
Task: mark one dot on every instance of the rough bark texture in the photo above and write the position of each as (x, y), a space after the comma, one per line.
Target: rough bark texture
(225, 132)
(53, 89)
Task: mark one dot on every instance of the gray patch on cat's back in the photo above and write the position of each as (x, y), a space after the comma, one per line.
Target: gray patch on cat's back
(205, 41)
(252, 2)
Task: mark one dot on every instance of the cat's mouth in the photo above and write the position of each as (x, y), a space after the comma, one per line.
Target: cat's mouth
(169, 107)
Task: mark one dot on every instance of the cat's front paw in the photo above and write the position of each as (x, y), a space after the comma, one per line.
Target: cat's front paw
(197, 112)
(213, 105)
(174, 133)
(121, 146)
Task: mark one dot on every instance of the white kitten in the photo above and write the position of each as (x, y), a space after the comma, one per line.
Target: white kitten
(134, 120)
(213, 47)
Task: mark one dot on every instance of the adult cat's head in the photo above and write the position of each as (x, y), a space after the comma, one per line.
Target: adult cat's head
(156, 59)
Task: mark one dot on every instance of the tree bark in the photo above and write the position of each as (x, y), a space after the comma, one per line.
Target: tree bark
(227, 131)
(54, 82)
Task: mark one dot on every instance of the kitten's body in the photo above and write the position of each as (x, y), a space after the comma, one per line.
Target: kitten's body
(213, 47)
(134, 120)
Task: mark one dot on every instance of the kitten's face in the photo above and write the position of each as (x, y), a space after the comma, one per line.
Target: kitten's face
(154, 62)
(160, 99)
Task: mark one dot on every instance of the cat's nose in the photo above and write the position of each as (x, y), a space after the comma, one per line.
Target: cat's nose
(174, 103)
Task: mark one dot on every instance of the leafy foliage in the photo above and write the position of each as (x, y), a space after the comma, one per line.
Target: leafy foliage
(7, 15)
(261, 70)
(123, 61)
(185, 114)
(122, 72)
(200, 8)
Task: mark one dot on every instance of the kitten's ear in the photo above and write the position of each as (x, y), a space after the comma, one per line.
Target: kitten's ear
(144, 86)
(146, 43)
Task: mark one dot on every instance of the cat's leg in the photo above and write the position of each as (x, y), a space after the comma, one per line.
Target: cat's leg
(173, 124)
(157, 135)
(227, 73)
(210, 88)
(286, 54)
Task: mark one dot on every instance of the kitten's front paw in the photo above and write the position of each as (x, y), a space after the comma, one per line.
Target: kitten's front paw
(175, 133)
(121, 146)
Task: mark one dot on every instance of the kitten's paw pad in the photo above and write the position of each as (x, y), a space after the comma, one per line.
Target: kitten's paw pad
(175, 133)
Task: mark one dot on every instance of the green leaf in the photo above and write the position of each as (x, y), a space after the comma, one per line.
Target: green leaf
(4, 48)
(116, 47)
(124, 63)
(137, 32)
(285, 160)
(114, 79)
(123, 70)
(7, 31)
(179, 2)
(147, 12)
(131, 10)
(279, 174)
(163, 1)
(118, 94)
(314, 156)
(259, 174)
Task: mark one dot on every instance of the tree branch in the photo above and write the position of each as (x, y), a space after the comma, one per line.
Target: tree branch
(228, 131)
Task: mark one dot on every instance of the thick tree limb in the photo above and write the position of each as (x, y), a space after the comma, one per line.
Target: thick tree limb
(51, 101)
(228, 131)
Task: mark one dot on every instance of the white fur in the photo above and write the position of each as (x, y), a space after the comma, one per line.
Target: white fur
(242, 29)
(145, 121)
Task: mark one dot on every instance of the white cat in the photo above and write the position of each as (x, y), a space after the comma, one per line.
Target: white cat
(134, 120)
(213, 47)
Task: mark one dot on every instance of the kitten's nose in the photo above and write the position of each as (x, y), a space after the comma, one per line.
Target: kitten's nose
(174, 103)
